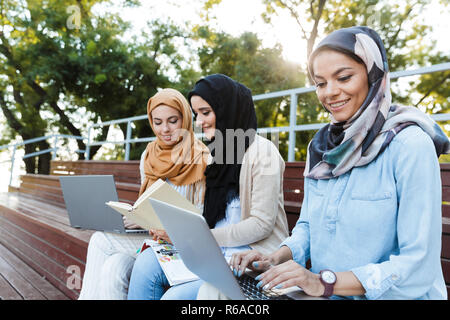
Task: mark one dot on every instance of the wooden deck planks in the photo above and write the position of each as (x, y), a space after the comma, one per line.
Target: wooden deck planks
(18, 281)
(39, 232)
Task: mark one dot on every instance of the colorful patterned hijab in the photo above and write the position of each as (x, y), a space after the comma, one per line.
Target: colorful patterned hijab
(340, 146)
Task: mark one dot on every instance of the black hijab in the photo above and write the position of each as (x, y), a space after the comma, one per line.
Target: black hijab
(233, 106)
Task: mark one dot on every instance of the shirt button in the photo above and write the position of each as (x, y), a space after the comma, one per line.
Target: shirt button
(394, 277)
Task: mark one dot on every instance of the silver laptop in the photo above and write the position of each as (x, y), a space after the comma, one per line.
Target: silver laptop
(202, 255)
(85, 197)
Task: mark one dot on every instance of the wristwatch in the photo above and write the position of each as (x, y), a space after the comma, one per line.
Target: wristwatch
(328, 279)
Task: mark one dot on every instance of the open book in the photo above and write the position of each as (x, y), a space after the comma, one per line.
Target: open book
(170, 261)
(142, 212)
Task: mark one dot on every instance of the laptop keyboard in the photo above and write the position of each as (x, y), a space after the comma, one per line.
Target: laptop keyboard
(248, 286)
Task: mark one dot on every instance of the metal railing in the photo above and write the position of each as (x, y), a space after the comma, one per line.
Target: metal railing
(54, 150)
(291, 129)
(293, 93)
(128, 140)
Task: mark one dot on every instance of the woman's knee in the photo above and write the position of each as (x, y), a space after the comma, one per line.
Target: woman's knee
(185, 291)
(98, 241)
(118, 264)
(116, 270)
(146, 263)
(115, 276)
(147, 281)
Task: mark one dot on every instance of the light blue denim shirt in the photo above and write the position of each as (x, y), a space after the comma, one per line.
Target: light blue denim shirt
(381, 221)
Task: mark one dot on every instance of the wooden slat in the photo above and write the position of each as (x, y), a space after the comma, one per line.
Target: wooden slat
(292, 207)
(123, 171)
(41, 179)
(127, 192)
(65, 258)
(446, 270)
(445, 173)
(446, 210)
(446, 193)
(46, 225)
(20, 284)
(54, 273)
(445, 225)
(7, 292)
(293, 196)
(42, 285)
(48, 187)
(445, 251)
(55, 237)
(45, 193)
(41, 188)
(41, 236)
(294, 169)
(293, 184)
(292, 220)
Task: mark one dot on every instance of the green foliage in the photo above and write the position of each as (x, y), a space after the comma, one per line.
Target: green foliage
(261, 69)
(408, 41)
(54, 63)
(62, 66)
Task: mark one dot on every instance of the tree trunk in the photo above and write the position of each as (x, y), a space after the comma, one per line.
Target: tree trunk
(44, 159)
(30, 163)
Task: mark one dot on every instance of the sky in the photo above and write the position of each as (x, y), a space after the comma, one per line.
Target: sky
(236, 17)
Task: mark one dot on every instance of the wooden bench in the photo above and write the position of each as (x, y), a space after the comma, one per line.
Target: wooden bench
(126, 175)
(47, 187)
(123, 171)
(34, 223)
(18, 281)
(39, 234)
(445, 252)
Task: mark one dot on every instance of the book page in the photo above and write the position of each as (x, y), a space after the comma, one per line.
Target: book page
(120, 205)
(170, 261)
(125, 209)
(148, 192)
(166, 193)
(143, 213)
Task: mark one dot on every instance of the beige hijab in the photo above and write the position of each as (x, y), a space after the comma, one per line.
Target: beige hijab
(183, 163)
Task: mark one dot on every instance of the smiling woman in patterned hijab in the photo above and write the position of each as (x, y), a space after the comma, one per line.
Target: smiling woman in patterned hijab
(344, 144)
(370, 222)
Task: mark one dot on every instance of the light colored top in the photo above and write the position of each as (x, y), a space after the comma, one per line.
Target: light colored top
(232, 216)
(381, 221)
(141, 166)
(263, 223)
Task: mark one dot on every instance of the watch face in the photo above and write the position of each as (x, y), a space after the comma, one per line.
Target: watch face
(328, 277)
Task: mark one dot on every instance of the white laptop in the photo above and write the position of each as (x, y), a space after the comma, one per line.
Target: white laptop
(200, 252)
(85, 198)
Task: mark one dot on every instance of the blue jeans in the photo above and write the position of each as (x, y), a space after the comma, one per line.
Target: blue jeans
(148, 282)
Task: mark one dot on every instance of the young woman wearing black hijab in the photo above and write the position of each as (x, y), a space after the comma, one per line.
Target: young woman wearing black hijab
(243, 202)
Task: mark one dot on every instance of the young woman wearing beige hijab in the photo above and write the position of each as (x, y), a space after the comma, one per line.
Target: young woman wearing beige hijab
(177, 157)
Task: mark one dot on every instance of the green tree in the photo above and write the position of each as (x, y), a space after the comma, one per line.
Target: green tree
(261, 69)
(60, 62)
(409, 43)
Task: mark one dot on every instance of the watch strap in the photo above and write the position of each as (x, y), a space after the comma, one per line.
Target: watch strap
(329, 287)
